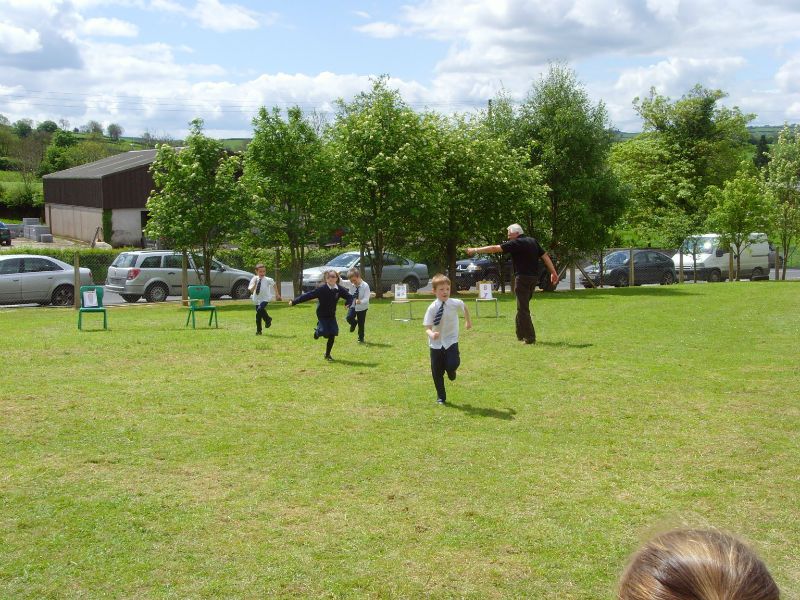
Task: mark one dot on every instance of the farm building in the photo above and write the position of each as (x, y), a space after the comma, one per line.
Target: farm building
(75, 199)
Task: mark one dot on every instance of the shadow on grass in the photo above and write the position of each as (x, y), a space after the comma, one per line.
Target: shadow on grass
(506, 414)
(602, 293)
(354, 363)
(563, 344)
(269, 334)
(378, 345)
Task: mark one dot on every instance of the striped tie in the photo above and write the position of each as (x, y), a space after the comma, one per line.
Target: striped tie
(438, 318)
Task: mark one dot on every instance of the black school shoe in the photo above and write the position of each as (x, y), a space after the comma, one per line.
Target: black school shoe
(451, 375)
(316, 334)
(353, 327)
(440, 401)
(329, 358)
(268, 324)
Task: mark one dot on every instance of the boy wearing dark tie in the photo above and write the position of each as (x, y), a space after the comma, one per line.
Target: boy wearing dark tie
(262, 291)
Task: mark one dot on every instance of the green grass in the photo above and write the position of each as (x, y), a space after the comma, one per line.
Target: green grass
(11, 180)
(151, 461)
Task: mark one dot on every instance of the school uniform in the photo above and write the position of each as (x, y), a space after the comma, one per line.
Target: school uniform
(327, 297)
(357, 315)
(262, 294)
(445, 357)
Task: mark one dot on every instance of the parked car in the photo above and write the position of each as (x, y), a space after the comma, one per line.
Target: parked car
(28, 278)
(396, 269)
(5, 235)
(156, 274)
(470, 271)
(649, 266)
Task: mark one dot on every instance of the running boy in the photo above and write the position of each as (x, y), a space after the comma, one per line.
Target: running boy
(357, 315)
(441, 325)
(262, 291)
(327, 295)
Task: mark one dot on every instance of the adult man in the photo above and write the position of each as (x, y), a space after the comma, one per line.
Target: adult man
(525, 253)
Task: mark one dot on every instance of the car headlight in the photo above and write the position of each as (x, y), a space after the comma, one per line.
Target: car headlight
(474, 267)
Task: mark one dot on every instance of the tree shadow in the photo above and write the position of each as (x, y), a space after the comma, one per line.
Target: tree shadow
(506, 414)
(563, 345)
(354, 363)
(377, 344)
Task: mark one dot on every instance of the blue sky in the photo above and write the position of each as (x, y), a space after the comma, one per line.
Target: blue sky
(153, 65)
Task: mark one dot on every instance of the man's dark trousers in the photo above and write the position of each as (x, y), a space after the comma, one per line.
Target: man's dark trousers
(524, 285)
(443, 359)
(261, 315)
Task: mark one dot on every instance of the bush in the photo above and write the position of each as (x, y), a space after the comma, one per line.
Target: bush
(23, 197)
(8, 163)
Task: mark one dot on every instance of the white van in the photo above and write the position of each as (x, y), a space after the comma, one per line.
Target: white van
(713, 262)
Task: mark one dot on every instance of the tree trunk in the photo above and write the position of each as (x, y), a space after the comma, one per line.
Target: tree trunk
(451, 265)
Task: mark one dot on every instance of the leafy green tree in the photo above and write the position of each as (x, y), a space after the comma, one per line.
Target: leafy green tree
(47, 126)
(783, 181)
(761, 158)
(197, 204)
(93, 128)
(479, 186)
(114, 131)
(58, 156)
(381, 155)
(286, 179)
(570, 140)
(23, 128)
(741, 206)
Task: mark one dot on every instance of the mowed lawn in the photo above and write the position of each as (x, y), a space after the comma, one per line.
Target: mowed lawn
(154, 461)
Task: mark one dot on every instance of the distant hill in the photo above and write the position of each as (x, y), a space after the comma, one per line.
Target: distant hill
(756, 131)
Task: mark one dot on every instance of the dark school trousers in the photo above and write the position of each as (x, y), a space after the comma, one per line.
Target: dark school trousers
(357, 317)
(524, 285)
(261, 315)
(443, 360)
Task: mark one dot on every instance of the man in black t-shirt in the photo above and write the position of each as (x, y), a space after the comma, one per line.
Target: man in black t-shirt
(525, 254)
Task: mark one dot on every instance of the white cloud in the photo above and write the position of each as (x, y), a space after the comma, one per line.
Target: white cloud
(212, 14)
(788, 76)
(379, 29)
(16, 40)
(109, 28)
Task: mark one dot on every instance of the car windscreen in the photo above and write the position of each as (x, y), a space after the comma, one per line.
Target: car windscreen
(616, 258)
(699, 245)
(124, 261)
(343, 260)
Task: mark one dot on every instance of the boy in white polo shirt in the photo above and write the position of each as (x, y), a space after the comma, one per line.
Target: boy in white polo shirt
(441, 326)
(262, 290)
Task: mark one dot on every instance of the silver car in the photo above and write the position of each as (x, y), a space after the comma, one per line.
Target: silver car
(396, 269)
(29, 278)
(156, 274)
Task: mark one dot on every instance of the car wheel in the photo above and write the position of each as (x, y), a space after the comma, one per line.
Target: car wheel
(63, 295)
(715, 276)
(667, 278)
(130, 297)
(157, 292)
(758, 273)
(622, 280)
(412, 285)
(240, 291)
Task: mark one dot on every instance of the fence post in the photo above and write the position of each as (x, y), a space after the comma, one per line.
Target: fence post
(730, 267)
(184, 278)
(278, 273)
(76, 283)
(572, 276)
(680, 266)
(631, 281)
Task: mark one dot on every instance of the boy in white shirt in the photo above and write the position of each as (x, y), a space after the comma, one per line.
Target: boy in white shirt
(441, 325)
(262, 290)
(357, 315)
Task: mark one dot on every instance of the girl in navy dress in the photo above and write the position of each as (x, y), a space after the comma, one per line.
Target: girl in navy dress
(327, 295)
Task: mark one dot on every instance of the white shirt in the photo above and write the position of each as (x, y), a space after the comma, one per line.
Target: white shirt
(448, 327)
(361, 292)
(267, 293)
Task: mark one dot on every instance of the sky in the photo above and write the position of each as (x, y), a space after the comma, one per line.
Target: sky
(154, 65)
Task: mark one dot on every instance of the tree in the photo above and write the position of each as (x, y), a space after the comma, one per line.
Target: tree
(197, 204)
(739, 208)
(23, 128)
(58, 157)
(4, 122)
(64, 124)
(47, 126)
(382, 172)
(114, 131)
(480, 185)
(570, 140)
(761, 158)
(93, 128)
(286, 180)
(783, 181)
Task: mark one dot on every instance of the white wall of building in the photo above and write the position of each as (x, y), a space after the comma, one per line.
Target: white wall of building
(126, 224)
(76, 222)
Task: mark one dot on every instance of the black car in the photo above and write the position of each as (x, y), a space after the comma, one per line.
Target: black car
(470, 271)
(649, 266)
(5, 235)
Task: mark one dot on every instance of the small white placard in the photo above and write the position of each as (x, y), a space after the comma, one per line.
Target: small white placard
(485, 291)
(90, 299)
(400, 291)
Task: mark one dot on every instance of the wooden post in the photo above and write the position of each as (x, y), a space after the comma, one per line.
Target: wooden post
(680, 266)
(730, 266)
(77, 281)
(278, 273)
(184, 278)
(572, 276)
(631, 281)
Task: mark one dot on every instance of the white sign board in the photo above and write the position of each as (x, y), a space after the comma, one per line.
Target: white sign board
(485, 291)
(90, 299)
(400, 291)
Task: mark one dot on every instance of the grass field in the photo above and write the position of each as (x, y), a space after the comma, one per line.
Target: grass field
(12, 180)
(152, 461)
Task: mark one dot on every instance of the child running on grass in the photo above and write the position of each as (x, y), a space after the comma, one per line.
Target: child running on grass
(441, 325)
(357, 315)
(327, 295)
